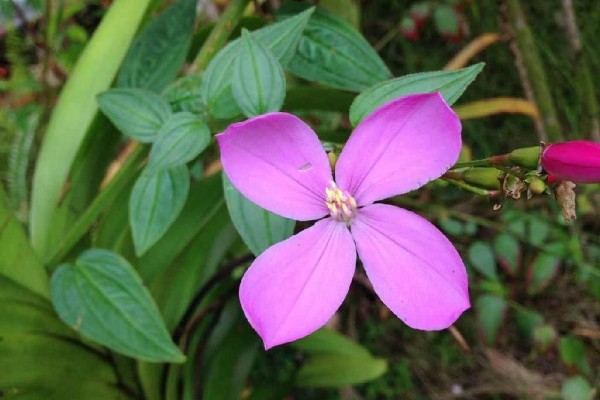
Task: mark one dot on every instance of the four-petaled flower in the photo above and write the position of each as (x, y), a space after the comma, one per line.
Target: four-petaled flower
(295, 286)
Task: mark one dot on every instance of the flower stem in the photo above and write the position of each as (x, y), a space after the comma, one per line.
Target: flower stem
(492, 161)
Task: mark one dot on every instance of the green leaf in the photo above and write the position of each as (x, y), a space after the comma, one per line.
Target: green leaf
(451, 84)
(229, 359)
(333, 53)
(258, 227)
(157, 54)
(573, 353)
(76, 108)
(482, 259)
(336, 360)
(18, 261)
(156, 201)
(31, 336)
(527, 321)
(541, 272)
(258, 81)
(333, 370)
(544, 337)
(508, 253)
(181, 138)
(281, 38)
(104, 299)
(328, 341)
(137, 113)
(576, 388)
(490, 313)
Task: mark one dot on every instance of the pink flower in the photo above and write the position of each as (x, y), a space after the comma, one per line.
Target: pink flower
(295, 286)
(577, 161)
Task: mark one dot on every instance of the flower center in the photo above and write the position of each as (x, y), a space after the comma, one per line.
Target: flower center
(342, 206)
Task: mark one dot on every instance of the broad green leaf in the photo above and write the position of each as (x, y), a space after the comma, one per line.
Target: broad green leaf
(155, 203)
(508, 253)
(482, 259)
(76, 107)
(18, 261)
(281, 38)
(527, 320)
(490, 313)
(336, 360)
(258, 81)
(573, 353)
(158, 53)
(330, 342)
(181, 138)
(137, 113)
(103, 298)
(333, 53)
(451, 84)
(541, 271)
(334, 370)
(204, 202)
(576, 388)
(538, 230)
(40, 355)
(258, 227)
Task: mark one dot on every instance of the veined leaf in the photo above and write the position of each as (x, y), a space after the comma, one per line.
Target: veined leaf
(451, 84)
(490, 313)
(258, 227)
(281, 38)
(137, 113)
(155, 203)
(333, 53)
(181, 138)
(104, 299)
(258, 81)
(158, 53)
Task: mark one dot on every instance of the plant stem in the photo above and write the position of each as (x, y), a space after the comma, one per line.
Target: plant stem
(492, 161)
(127, 172)
(470, 188)
(218, 36)
(533, 74)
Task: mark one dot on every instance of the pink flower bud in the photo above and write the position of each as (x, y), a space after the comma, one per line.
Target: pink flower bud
(577, 161)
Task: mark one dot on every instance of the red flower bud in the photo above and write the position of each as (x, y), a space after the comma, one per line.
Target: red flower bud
(577, 161)
(409, 29)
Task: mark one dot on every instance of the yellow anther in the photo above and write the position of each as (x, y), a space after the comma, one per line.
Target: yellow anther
(352, 203)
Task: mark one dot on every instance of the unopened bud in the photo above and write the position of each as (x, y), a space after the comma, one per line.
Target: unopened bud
(536, 185)
(577, 161)
(482, 177)
(528, 157)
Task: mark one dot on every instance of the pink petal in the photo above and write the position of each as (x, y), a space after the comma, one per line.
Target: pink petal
(295, 286)
(399, 147)
(413, 267)
(277, 161)
(577, 161)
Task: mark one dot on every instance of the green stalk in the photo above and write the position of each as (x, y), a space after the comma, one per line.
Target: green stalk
(75, 110)
(125, 175)
(534, 70)
(218, 36)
